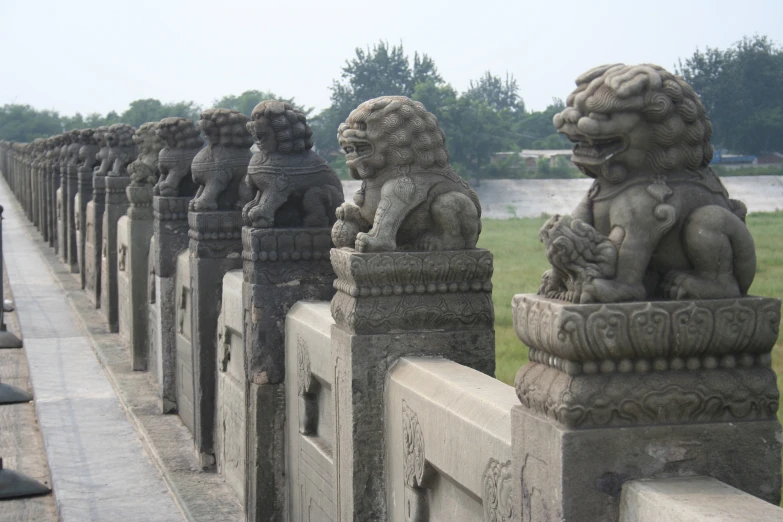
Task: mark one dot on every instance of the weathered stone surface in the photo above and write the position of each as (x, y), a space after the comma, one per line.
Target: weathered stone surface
(170, 236)
(69, 194)
(410, 199)
(281, 266)
(361, 363)
(87, 157)
(144, 172)
(215, 249)
(124, 282)
(577, 475)
(410, 291)
(183, 142)
(122, 148)
(182, 322)
(230, 395)
(308, 474)
(691, 499)
(143, 177)
(220, 167)
(448, 432)
(666, 388)
(116, 207)
(657, 221)
(93, 244)
(648, 363)
(294, 186)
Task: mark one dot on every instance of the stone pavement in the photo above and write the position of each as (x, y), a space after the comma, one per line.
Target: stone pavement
(100, 470)
(21, 446)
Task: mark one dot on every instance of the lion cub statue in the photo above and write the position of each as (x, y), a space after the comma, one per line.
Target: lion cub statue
(657, 222)
(293, 185)
(410, 198)
(220, 167)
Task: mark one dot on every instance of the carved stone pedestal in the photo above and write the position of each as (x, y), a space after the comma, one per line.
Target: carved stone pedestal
(62, 210)
(54, 186)
(94, 241)
(70, 219)
(215, 248)
(44, 198)
(34, 178)
(623, 391)
(170, 237)
(116, 207)
(391, 305)
(83, 197)
(281, 266)
(137, 269)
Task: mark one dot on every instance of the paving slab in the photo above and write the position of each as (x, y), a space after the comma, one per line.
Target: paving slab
(21, 445)
(100, 470)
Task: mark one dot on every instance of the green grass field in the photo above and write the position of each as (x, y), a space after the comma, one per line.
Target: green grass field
(520, 261)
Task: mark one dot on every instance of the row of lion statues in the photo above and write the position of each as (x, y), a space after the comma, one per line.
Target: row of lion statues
(657, 223)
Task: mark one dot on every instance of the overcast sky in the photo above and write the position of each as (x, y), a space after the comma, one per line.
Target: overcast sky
(97, 56)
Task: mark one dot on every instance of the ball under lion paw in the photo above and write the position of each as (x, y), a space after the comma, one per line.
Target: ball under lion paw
(344, 233)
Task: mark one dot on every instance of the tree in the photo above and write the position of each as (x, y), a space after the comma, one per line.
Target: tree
(496, 92)
(535, 130)
(24, 123)
(246, 102)
(740, 89)
(381, 71)
(150, 109)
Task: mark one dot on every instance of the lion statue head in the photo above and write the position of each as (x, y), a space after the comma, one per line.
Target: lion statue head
(179, 133)
(87, 136)
(147, 139)
(225, 127)
(391, 131)
(120, 135)
(276, 126)
(630, 118)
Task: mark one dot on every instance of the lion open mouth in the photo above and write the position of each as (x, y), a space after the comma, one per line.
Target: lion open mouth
(597, 150)
(356, 150)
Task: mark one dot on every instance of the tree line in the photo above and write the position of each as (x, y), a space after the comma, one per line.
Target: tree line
(739, 86)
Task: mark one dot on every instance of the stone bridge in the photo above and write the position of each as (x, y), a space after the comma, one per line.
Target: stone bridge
(187, 364)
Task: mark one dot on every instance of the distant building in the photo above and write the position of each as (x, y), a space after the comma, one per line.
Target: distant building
(773, 158)
(721, 158)
(530, 157)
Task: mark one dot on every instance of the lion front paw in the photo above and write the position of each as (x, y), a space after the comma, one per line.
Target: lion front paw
(367, 243)
(201, 205)
(686, 285)
(611, 291)
(261, 221)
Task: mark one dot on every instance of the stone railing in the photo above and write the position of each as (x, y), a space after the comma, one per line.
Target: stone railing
(432, 400)
(691, 499)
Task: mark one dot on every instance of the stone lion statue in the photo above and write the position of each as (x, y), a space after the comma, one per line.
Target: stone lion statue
(657, 221)
(410, 198)
(183, 142)
(144, 170)
(220, 167)
(293, 185)
(102, 157)
(122, 149)
(89, 149)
